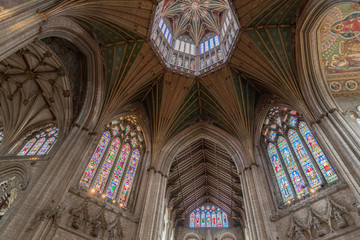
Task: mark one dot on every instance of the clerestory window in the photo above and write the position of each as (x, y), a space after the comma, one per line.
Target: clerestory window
(40, 142)
(299, 164)
(113, 165)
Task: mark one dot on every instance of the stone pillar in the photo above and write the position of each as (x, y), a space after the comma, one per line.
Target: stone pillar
(342, 146)
(38, 211)
(258, 203)
(153, 210)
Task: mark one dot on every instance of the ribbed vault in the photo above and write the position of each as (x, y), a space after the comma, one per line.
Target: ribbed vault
(203, 172)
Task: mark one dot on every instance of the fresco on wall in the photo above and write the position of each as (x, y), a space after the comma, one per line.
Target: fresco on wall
(340, 49)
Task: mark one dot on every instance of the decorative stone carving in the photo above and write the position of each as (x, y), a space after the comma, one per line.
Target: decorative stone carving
(317, 226)
(49, 213)
(357, 207)
(296, 230)
(79, 215)
(115, 230)
(340, 220)
(98, 223)
(299, 235)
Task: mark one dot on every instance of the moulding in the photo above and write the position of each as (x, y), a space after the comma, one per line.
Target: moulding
(82, 193)
(322, 194)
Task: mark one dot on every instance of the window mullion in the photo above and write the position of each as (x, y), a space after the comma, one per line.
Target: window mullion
(117, 158)
(101, 162)
(312, 159)
(286, 169)
(122, 180)
(297, 162)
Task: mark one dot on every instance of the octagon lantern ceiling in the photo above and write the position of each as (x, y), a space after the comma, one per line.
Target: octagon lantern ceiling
(194, 36)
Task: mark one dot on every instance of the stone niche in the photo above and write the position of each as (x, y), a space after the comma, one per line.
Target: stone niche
(330, 217)
(86, 218)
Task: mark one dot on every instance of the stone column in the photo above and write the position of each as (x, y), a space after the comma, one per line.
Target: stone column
(153, 210)
(341, 145)
(35, 216)
(257, 203)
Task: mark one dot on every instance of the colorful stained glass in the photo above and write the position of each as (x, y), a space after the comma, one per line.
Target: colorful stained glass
(197, 221)
(272, 135)
(118, 172)
(134, 142)
(278, 121)
(280, 174)
(208, 219)
(95, 159)
(127, 129)
(296, 178)
(126, 187)
(37, 146)
(107, 165)
(293, 121)
(115, 131)
(318, 154)
(304, 159)
(192, 220)
(47, 145)
(218, 218)
(203, 224)
(225, 220)
(27, 146)
(213, 219)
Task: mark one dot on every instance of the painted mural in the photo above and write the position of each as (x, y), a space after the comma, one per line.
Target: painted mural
(340, 49)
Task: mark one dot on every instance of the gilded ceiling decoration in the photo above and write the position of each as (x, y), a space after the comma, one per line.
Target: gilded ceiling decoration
(340, 49)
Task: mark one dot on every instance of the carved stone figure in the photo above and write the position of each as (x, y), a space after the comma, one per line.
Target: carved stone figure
(339, 218)
(299, 235)
(78, 216)
(96, 227)
(319, 229)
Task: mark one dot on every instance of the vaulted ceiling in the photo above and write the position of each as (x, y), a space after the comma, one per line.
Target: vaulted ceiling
(263, 61)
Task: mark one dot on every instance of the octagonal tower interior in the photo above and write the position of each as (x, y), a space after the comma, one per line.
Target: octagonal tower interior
(194, 37)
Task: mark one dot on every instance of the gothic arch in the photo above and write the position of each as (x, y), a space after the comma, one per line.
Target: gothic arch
(196, 132)
(64, 27)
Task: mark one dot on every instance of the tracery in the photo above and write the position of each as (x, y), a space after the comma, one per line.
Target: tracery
(301, 167)
(208, 216)
(113, 165)
(40, 142)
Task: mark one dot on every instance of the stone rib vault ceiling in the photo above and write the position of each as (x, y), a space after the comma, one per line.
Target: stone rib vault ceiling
(194, 17)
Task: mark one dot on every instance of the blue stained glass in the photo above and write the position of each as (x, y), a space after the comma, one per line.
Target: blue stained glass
(293, 121)
(208, 219)
(203, 224)
(161, 22)
(280, 174)
(47, 145)
(291, 166)
(211, 43)
(304, 159)
(27, 147)
(217, 41)
(272, 135)
(192, 220)
(321, 159)
(225, 220)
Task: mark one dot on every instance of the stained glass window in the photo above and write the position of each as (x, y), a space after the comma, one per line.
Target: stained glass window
(112, 167)
(322, 161)
(280, 174)
(208, 216)
(40, 142)
(1, 135)
(304, 162)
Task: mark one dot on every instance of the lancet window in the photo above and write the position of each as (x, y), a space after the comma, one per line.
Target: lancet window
(113, 165)
(298, 162)
(208, 216)
(40, 142)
